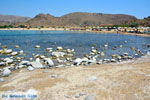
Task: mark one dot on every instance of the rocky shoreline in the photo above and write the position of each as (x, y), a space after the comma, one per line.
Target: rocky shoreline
(58, 58)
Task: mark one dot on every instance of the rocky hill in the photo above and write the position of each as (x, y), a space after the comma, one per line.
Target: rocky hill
(78, 18)
(10, 19)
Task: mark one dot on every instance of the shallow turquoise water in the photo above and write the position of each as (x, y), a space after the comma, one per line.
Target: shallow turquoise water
(82, 42)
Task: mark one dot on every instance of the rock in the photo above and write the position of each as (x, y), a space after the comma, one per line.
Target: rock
(120, 46)
(77, 61)
(30, 68)
(2, 80)
(21, 66)
(82, 94)
(77, 96)
(37, 64)
(119, 57)
(49, 49)
(54, 76)
(92, 78)
(100, 62)
(60, 66)
(8, 51)
(37, 46)
(85, 59)
(94, 51)
(58, 54)
(14, 53)
(8, 60)
(114, 56)
(105, 45)
(113, 60)
(21, 51)
(102, 54)
(6, 72)
(17, 46)
(2, 63)
(49, 62)
(59, 48)
(27, 63)
(126, 54)
(90, 97)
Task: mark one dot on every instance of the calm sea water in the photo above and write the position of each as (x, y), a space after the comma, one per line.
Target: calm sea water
(81, 42)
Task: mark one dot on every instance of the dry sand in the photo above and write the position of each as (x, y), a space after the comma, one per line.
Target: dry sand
(123, 81)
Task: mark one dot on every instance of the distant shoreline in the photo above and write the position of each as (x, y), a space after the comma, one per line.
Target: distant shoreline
(63, 29)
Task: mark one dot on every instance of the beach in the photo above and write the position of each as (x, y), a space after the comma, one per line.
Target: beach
(67, 29)
(116, 81)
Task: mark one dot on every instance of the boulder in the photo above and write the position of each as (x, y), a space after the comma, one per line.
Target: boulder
(6, 72)
(8, 51)
(37, 64)
(49, 62)
(77, 61)
(2, 63)
(59, 48)
(14, 53)
(58, 54)
(8, 60)
(30, 68)
(21, 51)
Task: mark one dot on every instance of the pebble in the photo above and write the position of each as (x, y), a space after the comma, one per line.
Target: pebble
(2, 80)
(92, 78)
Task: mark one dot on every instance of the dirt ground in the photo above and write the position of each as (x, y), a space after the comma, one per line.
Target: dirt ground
(128, 80)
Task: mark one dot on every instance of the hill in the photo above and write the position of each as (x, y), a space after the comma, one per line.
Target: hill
(10, 19)
(79, 18)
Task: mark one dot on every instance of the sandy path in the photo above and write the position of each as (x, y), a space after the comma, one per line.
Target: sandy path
(125, 81)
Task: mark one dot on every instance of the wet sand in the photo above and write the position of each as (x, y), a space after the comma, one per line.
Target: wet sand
(128, 80)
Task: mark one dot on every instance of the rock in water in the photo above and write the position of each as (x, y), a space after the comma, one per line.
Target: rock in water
(90, 97)
(8, 51)
(59, 48)
(37, 46)
(6, 72)
(14, 53)
(8, 60)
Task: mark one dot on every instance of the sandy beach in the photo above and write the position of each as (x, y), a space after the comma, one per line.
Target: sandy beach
(128, 80)
(62, 29)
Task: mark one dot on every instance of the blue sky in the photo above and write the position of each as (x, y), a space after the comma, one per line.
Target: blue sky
(138, 8)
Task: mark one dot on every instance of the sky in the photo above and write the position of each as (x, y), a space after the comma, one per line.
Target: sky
(30, 8)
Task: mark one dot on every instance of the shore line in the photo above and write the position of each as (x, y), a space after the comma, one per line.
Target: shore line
(61, 29)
